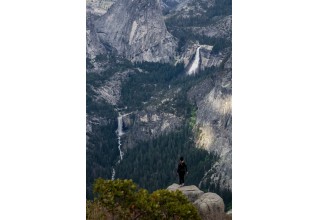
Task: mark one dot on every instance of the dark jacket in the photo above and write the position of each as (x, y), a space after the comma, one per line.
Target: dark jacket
(182, 167)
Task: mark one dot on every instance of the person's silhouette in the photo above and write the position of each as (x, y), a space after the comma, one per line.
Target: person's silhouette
(182, 170)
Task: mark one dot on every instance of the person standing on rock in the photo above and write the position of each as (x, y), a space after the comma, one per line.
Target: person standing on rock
(182, 171)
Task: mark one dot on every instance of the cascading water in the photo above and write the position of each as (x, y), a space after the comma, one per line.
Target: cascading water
(119, 133)
(195, 63)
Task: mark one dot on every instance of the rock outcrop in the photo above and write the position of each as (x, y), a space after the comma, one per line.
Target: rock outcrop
(192, 192)
(136, 29)
(209, 205)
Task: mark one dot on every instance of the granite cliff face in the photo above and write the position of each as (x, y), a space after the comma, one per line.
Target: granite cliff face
(214, 120)
(94, 47)
(137, 31)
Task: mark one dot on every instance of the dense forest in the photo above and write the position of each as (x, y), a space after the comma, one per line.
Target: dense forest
(152, 165)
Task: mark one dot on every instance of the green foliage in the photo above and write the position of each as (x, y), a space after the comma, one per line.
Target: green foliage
(173, 205)
(95, 210)
(193, 118)
(228, 206)
(123, 199)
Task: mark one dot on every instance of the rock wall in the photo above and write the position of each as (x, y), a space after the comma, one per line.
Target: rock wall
(94, 46)
(213, 98)
(136, 29)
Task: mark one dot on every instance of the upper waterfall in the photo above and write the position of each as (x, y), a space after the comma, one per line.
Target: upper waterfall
(120, 124)
(195, 65)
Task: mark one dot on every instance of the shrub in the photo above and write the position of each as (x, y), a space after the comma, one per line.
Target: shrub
(123, 199)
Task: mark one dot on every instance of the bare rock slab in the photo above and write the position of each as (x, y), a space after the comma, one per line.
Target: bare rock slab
(191, 192)
(210, 207)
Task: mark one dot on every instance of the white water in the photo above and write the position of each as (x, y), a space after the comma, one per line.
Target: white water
(119, 130)
(113, 173)
(119, 133)
(195, 63)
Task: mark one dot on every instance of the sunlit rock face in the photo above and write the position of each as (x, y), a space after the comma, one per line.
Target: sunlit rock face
(214, 121)
(136, 29)
(216, 110)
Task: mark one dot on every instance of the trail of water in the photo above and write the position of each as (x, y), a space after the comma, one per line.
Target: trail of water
(195, 63)
(119, 134)
(113, 173)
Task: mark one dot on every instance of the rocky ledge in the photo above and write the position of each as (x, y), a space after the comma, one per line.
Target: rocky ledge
(210, 205)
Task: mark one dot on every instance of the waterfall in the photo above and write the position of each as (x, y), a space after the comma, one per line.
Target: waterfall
(195, 63)
(119, 133)
(119, 130)
(113, 173)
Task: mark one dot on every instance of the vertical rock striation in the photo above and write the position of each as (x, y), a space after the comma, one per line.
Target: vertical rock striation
(136, 29)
